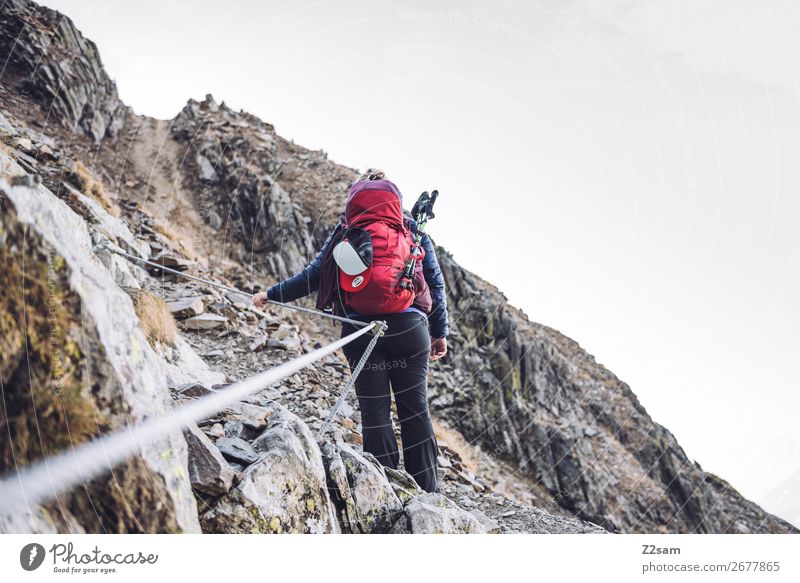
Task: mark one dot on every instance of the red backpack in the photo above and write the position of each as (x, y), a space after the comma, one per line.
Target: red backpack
(375, 207)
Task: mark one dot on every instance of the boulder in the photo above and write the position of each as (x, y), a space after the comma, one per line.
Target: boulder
(367, 501)
(284, 492)
(435, 513)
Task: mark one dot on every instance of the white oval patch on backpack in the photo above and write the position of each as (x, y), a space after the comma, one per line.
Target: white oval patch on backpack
(357, 281)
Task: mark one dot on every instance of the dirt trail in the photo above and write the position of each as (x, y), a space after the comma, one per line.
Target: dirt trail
(157, 159)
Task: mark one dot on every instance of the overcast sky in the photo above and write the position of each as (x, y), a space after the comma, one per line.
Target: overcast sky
(625, 171)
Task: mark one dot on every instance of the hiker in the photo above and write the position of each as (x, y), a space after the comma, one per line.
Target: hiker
(376, 238)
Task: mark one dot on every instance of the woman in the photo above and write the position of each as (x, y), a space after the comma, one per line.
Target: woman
(417, 327)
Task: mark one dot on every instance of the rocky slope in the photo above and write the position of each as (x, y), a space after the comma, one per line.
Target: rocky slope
(536, 436)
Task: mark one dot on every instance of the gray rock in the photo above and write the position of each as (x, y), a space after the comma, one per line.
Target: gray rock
(255, 415)
(267, 321)
(235, 428)
(285, 491)
(237, 449)
(259, 344)
(435, 513)
(488, 525)
(205, 322)
(214, 220)
(183, 365)
(125, 369)
(24, 144)
(171, 260)
(214, 431)
(79, 95)
(403, 484)
(368, 501)
(209, 473)
(193, 390)
(236, 298)
(205, 168)
(6, 127)
(186, 307)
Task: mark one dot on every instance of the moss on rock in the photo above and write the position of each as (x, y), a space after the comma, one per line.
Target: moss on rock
(46, 404)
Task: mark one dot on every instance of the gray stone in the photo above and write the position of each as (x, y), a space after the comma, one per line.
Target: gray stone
(255, 415)
(403, 484)
(285, 491)
(214, 220)
(290, 343)
(237, 298)
(369, 502)
(214, 431)
(488, 525)
(183, 365)
(24, 144)
(209, 473)
(6, 127)
(267, 321)
(171, 260)
(205, 168)
(205, 322)
(259, 344)
(186, 307)
(127, 370)
(435, 513)
(237, 449)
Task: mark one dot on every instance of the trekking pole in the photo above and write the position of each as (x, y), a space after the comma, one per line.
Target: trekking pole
(229, 288)
(421, 211)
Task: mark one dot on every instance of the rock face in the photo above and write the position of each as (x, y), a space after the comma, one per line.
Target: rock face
(234, 156)
(522, 394)
(71, 80)
(103, 364)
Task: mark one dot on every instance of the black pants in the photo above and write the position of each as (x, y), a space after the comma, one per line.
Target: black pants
(400, 358)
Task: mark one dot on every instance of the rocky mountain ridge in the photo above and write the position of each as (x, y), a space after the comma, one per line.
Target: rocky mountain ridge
(537, 433)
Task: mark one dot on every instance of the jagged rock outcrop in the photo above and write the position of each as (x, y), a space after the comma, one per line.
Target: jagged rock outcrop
(75, 364)
(256, 207)
(231, 163)
(70, 81)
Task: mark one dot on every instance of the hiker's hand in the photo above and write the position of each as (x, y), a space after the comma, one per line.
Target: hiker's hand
(438, 348)
(260, 300)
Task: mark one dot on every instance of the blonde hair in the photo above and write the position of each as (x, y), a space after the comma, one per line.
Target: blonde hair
(373, 174)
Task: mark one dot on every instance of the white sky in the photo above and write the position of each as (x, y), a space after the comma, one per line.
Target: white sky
(626, 171)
